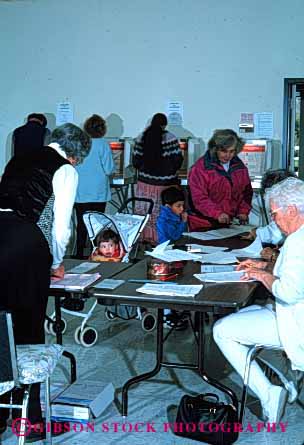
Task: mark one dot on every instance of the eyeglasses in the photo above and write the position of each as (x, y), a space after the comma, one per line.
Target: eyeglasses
(274, 212)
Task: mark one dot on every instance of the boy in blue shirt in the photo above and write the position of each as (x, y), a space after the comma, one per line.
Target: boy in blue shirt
(172, 220)
(170, 225)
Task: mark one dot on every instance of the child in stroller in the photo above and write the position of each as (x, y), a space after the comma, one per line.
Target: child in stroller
(109, 247)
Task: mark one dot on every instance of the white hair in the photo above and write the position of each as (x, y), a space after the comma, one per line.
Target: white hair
(286, 193)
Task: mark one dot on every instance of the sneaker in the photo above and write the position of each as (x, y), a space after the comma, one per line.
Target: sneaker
(274, 408)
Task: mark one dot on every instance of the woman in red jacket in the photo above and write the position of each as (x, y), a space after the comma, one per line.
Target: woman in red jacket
(219, 182)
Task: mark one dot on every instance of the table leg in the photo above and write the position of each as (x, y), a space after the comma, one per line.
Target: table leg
(57, 323)
(146, 375)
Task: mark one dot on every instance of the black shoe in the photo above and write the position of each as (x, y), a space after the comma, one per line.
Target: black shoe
(3, 426)
(38, 431)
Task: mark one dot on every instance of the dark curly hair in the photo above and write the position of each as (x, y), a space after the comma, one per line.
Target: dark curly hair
(95, 126)
(107, 235)
(224, 139)
(72, 140)
(272, 177)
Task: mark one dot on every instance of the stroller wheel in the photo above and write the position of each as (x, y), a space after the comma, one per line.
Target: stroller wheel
(110, 315)
(77, 335)
(51, 327)
(88, 337)
(148, 322)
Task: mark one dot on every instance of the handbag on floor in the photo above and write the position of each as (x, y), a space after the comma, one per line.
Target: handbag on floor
(206, 419)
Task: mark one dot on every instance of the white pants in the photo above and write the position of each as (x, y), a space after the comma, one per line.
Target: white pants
(251, 325)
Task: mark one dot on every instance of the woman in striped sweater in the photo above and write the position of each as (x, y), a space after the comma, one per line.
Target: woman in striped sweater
(157, 157)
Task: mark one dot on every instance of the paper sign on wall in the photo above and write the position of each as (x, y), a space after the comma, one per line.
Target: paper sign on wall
(175, 113)
(64, 113)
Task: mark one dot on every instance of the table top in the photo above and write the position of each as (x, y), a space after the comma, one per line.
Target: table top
(213, 297)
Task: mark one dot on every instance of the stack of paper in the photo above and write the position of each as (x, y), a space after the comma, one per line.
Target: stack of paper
(109, 283)
(233, 230)
(177, 290)
(213, 268)
(204, 249)
(223, 277)
(218, 258)
(165, 252)
(73, 281)
(83, 267)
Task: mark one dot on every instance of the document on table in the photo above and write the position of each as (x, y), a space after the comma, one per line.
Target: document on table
(109, 283)
(252, 251)
(218, 258)
(83, 267)
(233, 230)
(178, 290)
(222, 277)
(165, 252)
(74, 281)
(210, 268)
(204, 249)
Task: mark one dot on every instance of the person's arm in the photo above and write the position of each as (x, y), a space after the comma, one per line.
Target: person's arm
(245, 204)
(198, 184)
(106, 159)
(289, 287)
(65, 182)
(175, 159)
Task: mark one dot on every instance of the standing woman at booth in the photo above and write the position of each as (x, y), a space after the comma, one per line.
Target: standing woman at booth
(157, 157)
(93, 190)
(37, 193)
(219, 183)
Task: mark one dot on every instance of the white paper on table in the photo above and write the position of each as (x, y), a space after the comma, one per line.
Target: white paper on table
(74, 281)
(252, 251)
(233, 230)
(178, 290)
(218, 258)
(83, 267)
(165, 252)
(222, 277)
(215, 268)
(205, 249)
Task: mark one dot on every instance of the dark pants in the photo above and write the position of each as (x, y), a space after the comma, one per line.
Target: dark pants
(25, 262)
(81, 208)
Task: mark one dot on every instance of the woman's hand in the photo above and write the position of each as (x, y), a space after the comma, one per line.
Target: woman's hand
(249, 264)
(243, 219)
(58, 273)
(224, 218)
(251, 236)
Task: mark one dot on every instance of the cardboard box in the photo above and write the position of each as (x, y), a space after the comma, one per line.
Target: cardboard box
(82, 400)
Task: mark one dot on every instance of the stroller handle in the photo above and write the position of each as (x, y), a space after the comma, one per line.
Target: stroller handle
(134, 200)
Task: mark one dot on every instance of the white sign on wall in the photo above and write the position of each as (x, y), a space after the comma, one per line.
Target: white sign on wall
(64, 113)
(175, 112)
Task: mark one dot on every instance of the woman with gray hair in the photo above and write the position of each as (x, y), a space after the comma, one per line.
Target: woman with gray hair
(219, 183)
(37, 193)
(280, 324)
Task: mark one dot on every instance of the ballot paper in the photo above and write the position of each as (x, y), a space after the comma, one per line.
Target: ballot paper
(222, 277)
(74, 281)
(218, 258)
(109, 283)
(252, 251)
(178, 290)
(233, 230)
(83, 267)
(165, 252)
(204, 249)
(214, 268)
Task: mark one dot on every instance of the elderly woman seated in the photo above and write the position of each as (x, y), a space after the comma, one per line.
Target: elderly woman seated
(280, 324)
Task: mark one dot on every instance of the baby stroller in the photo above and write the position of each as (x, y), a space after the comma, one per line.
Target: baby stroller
(129, 227)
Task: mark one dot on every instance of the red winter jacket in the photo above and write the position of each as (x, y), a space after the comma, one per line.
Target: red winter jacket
(214, 191)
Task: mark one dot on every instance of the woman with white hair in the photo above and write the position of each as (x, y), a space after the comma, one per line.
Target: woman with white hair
(280, 325)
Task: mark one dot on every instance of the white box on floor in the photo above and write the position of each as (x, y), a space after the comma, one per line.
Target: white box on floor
(82, 400)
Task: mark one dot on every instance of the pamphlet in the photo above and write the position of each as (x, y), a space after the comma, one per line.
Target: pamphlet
(109, 283)
(178, 290)
(74, 281)
(83, 267)
(223, 277)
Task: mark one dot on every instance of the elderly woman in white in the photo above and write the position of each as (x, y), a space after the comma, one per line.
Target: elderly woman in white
(282, 324)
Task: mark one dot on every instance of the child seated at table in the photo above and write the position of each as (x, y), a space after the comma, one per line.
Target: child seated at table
(170, 225)
(172, 220)
(109, 247)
